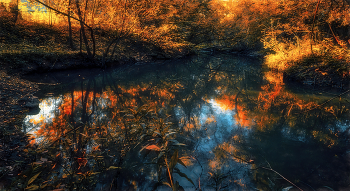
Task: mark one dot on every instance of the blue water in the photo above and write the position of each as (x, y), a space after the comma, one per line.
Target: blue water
(234, 123)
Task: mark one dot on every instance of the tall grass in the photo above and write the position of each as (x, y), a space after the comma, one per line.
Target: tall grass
(285, 54)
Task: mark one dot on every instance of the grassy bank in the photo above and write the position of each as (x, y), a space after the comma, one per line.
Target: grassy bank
(127, 32)
(308, 40)
(323, 64)
(32, 47)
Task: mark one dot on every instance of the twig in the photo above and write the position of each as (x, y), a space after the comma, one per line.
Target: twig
(62, 13)
(199, 178)
(281, 176)
(54, 62)
(48, 84)
(327, 101)
(308, 185)
(313, 24)
(170, 177)
(270, 168)
(73, 129)
(335, 97)
(330, 27)
(328, 188)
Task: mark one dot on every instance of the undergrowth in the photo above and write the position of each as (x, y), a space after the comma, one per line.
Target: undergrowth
(286, 54)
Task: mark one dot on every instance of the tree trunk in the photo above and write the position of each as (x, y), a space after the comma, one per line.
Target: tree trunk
(93, 42)
(82, 28)
(15, 11)
(82, 24)
(80, 42)
(70, 38)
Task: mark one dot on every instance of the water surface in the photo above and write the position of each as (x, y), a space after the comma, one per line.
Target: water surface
(232, 123)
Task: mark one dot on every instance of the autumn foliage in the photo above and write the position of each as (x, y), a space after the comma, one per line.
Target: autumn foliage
(287, 30)
(108, 136)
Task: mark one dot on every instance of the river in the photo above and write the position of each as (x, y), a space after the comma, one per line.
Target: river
(209, 122)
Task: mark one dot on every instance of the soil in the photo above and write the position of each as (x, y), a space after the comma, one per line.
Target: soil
(12, 89)
(13, 141)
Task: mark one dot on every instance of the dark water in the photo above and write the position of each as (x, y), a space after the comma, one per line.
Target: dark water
(233, 124)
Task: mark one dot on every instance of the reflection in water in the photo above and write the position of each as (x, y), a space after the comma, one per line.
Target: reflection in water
(213, 123)
(34, 123)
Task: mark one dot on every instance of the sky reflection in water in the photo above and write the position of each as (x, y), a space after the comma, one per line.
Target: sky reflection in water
(232, 116)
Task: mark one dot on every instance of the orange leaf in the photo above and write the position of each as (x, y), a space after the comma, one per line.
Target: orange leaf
(153, 148)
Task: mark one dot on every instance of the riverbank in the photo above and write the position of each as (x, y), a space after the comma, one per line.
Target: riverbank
(320, 72)
(16, 101)
(32, 47)
(29, 47)
(324, 64)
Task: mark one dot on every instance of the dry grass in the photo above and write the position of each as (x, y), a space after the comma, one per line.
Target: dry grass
(288, 54)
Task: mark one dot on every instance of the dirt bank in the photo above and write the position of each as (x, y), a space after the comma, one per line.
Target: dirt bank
(16, 100)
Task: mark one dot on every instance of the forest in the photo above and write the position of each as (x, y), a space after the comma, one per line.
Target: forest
(292, 35)
(213, 65)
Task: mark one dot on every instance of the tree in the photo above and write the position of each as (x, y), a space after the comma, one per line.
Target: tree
(80, 19)
(14, 10)
(70, 38)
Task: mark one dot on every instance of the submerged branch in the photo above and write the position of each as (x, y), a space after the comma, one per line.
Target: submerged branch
(327, 101)
(282, 177)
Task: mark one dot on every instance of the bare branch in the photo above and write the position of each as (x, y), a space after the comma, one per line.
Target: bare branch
(62, 13)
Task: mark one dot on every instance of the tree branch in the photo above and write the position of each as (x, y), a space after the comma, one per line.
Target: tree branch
(62, 13)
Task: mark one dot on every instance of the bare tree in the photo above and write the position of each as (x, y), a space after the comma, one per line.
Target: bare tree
(70, 38)
(82, 26)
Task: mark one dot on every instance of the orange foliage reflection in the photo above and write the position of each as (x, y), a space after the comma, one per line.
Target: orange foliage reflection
(105, 110)
(226, 102)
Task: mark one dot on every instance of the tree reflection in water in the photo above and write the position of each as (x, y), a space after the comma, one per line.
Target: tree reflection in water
(214, 123)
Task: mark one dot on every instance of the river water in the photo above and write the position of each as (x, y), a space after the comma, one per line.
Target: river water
(210, 122)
